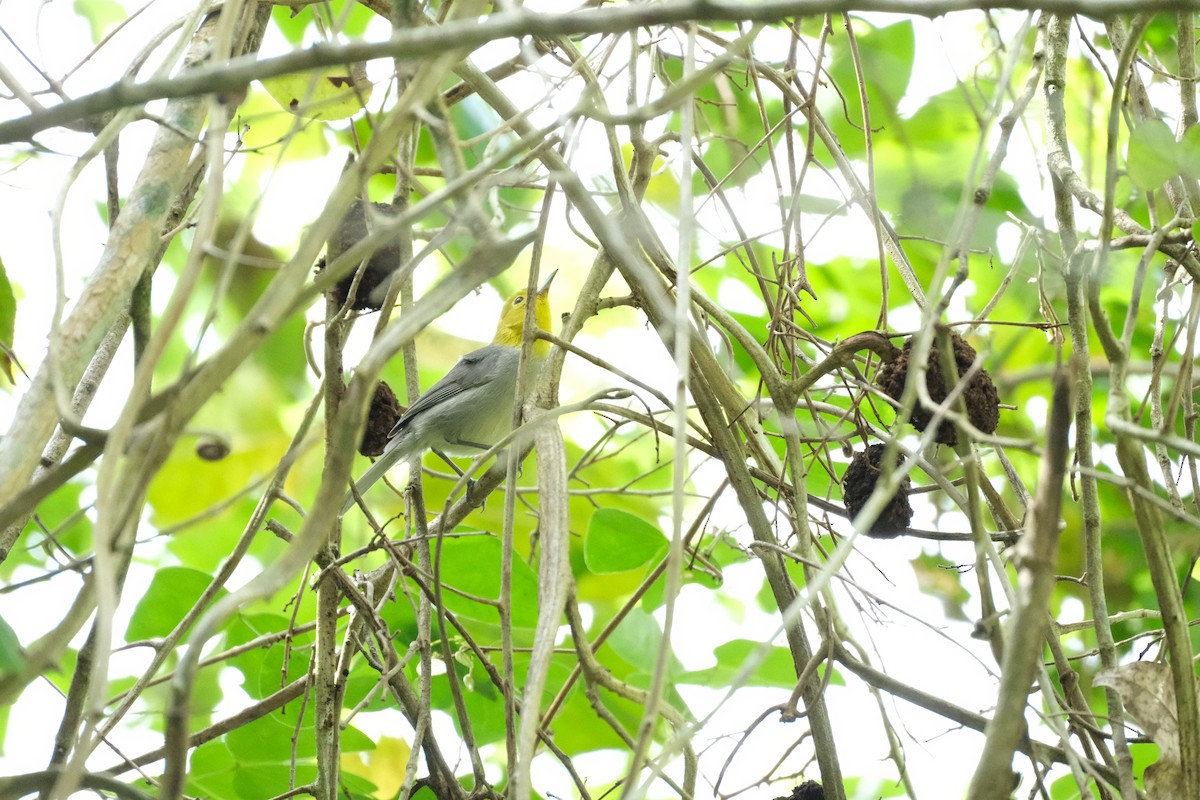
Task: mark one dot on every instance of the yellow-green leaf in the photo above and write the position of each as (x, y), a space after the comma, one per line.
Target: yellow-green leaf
(618, 541)
(330, 93)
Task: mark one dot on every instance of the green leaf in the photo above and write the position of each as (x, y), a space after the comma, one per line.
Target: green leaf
(617, 541)
(292, 22)
(1189, 152)
(362, 681)
(1065, 788)
(172, 593)
(102, 15)
(470, 565)
(636, 640)
(874, 788)
(257, 781)
(356, 786)
(328, 93)
(189, 487)
(8, 320)
(729, 119)
(776, 670)
(885, 56)
(485, 708)
(5, 711)
(353, 741)
(267, 740)
(11, 657)
(61, 513)
(1153, 155)
(210, 771)
(264, 667)
(938, 577)
(295, 22)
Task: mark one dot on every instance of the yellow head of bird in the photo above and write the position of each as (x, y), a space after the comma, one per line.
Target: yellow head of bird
(512, 318)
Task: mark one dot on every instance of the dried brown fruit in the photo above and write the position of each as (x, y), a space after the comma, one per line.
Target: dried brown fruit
(980, 396)
(809, 790)
(859, 483)
(385, 410)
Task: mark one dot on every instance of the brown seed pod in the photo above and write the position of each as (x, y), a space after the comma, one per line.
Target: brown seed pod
(859, 482)
(385, 410)
(212, 447)
(380, 266)
(980, 396)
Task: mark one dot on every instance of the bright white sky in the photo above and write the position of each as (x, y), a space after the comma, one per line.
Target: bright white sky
(941, 758)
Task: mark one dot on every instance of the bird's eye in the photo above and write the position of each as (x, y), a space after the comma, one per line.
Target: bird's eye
(518, 300)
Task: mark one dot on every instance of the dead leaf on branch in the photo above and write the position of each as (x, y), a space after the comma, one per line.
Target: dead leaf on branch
(1147, 690)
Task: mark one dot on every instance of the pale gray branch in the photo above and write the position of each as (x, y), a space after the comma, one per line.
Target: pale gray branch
(414, 44)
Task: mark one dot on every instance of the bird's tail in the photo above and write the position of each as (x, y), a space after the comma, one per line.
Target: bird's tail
(390, 457)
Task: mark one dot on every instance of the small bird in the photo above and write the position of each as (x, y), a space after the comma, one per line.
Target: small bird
(471, 408)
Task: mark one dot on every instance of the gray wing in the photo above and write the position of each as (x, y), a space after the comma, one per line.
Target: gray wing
(472, 371)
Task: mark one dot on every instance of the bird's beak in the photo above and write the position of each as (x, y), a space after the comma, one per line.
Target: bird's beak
(546, 284)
